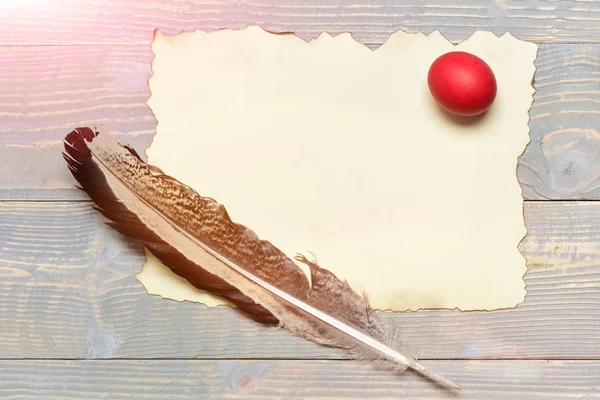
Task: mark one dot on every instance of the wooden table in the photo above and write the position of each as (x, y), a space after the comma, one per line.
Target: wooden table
(75, 323)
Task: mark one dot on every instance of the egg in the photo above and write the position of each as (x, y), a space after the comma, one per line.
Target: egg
(462, 83)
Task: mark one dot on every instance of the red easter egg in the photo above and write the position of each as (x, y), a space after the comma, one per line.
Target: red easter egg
(462, 83)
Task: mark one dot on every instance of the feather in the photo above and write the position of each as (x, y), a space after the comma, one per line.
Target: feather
(194, 236)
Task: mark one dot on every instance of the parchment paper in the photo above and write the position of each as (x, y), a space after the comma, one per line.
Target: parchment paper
(332, 148)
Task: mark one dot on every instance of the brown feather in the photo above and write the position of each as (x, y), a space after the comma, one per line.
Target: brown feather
(194, 236)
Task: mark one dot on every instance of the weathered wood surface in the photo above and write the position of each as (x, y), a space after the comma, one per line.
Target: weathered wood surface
(236, 379)
(67, 283)
(47, 91)
(68, 290)
(132, 21)
(563, 159)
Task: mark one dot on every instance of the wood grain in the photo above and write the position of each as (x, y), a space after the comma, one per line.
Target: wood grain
(563, 159)
(67, 282)
(132, 21)
(47, 91)
(68, 290)
(238, 379)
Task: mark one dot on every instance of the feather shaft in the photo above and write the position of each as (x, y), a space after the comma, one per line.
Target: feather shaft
(367, 340)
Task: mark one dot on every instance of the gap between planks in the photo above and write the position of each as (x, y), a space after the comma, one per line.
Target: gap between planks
(267, 358)
(26, 201)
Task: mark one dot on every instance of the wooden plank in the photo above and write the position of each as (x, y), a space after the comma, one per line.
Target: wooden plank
(68, 290)
(238, 379)
(46, 91)
(132, 21)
